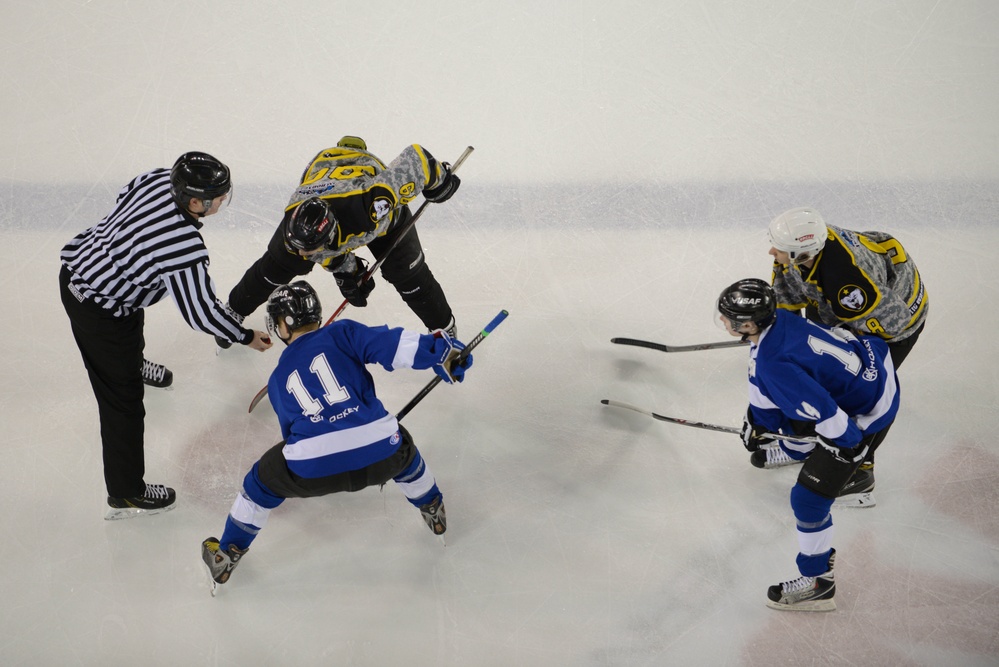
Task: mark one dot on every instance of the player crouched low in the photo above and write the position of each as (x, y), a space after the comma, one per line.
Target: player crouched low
(337, 436)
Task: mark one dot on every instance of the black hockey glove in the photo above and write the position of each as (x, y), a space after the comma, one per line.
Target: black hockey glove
(442, 191)
(353, 286)
(750, 440)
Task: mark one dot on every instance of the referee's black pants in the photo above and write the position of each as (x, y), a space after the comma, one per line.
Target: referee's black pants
(111, 348)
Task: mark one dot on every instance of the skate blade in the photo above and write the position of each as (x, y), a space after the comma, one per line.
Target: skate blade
(772, 466)
(811, 605)
(118, 513)
(855, 500)
(213, 585)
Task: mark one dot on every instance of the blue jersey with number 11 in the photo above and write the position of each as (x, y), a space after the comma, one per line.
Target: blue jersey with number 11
(324, 397)
(805, 371)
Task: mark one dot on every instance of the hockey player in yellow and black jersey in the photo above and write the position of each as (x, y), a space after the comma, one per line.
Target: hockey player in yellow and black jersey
(347, 199)
(864, 281)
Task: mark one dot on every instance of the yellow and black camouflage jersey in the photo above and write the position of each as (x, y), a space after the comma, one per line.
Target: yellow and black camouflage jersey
(863, 280)
(365, 195)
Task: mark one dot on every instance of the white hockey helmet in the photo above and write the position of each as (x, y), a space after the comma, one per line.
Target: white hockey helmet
(800, 232)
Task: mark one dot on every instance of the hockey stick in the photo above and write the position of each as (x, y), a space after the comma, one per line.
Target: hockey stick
(679, 348)
(709, 427)
(495, 322)
(374, 267)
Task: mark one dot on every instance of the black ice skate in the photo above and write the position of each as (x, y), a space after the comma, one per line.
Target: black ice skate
(222, 343)
(433, 513)
(156, 375)
(858, 492)
(220, 563)
(772, 457)
(156, 498)
(805, 593)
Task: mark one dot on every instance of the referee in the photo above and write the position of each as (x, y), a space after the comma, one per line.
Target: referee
(146, 248)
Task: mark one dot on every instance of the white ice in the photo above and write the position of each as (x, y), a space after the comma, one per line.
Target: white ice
(627, 162)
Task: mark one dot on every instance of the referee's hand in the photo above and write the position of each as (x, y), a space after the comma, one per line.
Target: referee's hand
(260, 342)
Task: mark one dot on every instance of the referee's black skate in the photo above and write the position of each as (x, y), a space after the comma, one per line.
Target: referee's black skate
(155, 499)
(220, 563)
(805, 593)
(156, 375)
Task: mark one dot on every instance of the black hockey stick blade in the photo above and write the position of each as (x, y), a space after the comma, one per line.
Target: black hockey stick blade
(662, 347)
(708, 427)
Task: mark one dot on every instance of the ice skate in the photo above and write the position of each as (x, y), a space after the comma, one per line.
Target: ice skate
(155, 499)
(433, 513)
(222, 343)
(772, 457)
(858, 491)
(805, 593)
(220, 563)
(451, 329)
(156, 375)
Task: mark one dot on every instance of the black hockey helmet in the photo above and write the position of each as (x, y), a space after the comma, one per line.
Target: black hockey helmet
(297, 305)
(749, 300)
(311, 226)
(198, 176)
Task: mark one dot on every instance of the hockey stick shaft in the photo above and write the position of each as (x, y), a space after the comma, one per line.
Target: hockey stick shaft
(662, 347)
(495, 322)
(709, 427)
(371, 271)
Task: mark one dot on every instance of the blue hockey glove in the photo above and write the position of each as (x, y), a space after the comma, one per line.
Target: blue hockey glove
(450, 368)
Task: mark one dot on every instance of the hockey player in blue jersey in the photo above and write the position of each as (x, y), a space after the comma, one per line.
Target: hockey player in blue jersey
(843, 386)
(336, 434)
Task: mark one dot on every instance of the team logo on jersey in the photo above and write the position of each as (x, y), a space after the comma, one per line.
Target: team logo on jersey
(380, 207)
(395, 439)
(852, 297)
(408, 191)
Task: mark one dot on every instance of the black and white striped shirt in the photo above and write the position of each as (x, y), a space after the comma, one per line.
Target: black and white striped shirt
(145, 249)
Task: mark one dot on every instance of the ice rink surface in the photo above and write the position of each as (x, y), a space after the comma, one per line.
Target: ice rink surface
(628, 159)
(578, 534)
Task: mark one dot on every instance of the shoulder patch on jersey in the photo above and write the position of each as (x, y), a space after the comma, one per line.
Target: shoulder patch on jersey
(396, 438)
(851, 297)
(380, 207)
(408, 190)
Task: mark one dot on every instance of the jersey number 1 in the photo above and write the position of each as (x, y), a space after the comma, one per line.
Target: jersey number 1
(848, 358)
(333, 392)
